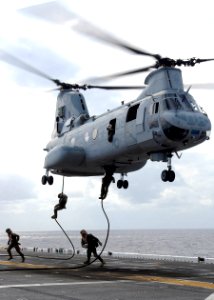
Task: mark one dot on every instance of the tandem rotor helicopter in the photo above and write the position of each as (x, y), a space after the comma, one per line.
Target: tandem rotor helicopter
(163, 120)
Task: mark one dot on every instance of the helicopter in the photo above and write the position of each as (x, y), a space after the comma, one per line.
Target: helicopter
(163, 120)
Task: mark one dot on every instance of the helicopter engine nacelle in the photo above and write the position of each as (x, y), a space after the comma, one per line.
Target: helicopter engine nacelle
(62, 156)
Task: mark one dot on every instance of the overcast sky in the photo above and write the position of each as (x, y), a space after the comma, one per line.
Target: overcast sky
(178, 30)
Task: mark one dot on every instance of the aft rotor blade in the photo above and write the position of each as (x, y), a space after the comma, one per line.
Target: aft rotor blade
(191, 62)
(134, 87)
(12, 60)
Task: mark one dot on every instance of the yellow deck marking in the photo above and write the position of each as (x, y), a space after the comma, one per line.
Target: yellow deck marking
(168, 280)
(165, 280)
(23, 265)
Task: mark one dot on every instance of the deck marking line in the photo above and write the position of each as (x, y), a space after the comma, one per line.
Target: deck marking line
(21, 264)
(210, 297)
(167, 280)
(59, 284)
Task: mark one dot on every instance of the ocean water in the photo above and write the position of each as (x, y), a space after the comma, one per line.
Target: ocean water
(184, 242)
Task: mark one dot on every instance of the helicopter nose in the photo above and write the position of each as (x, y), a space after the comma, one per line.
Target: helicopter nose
(179, 126)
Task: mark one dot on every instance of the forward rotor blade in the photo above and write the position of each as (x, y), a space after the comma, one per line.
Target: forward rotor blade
(57, 13)
(51, 11)
(204, 86)
(198, 60)
(89, 29)
(121, 74)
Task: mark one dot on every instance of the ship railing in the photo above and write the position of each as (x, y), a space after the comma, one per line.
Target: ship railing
(127, 255)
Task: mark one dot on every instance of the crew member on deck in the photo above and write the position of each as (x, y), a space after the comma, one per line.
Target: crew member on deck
(13, 242)
(90, 242)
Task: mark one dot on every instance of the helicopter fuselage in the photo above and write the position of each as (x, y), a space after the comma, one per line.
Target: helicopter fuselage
(163, 120)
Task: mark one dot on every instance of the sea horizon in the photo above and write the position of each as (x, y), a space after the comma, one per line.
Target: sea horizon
(183, 242)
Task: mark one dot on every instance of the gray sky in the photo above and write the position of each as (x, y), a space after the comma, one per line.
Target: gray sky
(178, 30)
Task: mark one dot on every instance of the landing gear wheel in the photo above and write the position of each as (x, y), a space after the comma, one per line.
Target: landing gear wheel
(44, 179)
(119, 183)
(164, 175)
(171, 176)
(50, 180)
(168, 175)
(125, 184)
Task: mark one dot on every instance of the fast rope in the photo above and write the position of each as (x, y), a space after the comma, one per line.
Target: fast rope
(73, 248)
(106, 239)
(82, 265)
(58, 258)
(104, 245)
(72, 245)
(63, 183)
(108, 229)
(76, 266)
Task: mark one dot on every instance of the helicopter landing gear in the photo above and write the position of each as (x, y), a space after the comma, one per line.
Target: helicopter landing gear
(47, 179)
(122, 183)
(168, 175)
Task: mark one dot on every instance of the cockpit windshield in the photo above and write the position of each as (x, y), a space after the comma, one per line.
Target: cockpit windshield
(189, 103)
(179, 102)
(171, 102)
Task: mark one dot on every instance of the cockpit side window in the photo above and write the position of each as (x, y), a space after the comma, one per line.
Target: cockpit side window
(132, 113)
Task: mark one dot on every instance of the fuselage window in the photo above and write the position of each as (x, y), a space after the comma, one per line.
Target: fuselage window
(61, 111)
(111, 129)
(132, 113)
(155, 107)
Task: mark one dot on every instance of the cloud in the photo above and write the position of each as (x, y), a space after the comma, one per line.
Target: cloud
(28, 115)
(16, 188)
(46, 61)
(192, 187)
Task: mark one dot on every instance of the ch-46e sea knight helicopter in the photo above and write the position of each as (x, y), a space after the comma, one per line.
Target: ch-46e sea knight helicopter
(163, 120)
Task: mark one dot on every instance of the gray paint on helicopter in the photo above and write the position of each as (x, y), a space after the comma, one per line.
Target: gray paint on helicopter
(154, 131)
